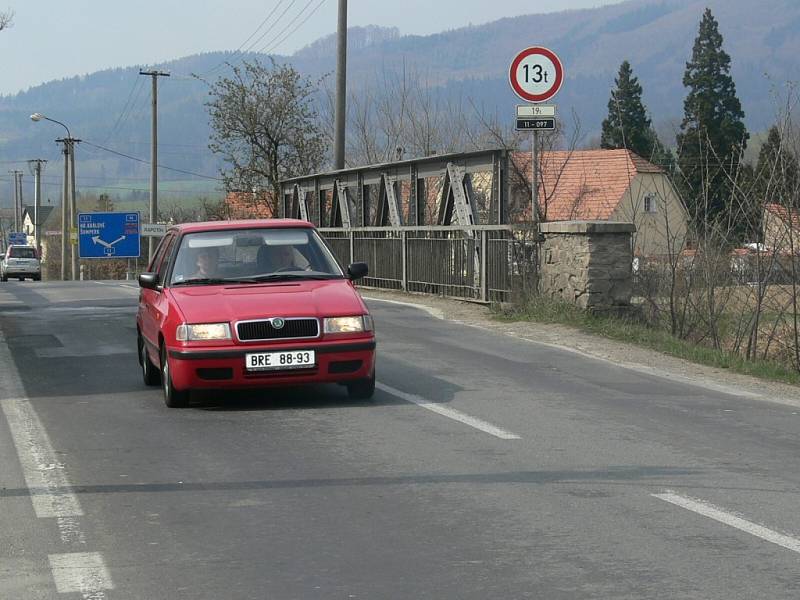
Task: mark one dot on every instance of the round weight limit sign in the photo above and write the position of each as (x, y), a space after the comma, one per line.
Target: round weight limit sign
(536, 74)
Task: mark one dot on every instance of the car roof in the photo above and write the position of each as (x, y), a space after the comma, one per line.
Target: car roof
(240, 224)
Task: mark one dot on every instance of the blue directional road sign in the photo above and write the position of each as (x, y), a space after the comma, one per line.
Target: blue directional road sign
(17, 238)
(108, 235)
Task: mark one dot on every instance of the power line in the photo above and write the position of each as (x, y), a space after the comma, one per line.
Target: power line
(134, 189)
(239, 54)
(288, 35)
(136, 83)
(238, 51)
(147, 162)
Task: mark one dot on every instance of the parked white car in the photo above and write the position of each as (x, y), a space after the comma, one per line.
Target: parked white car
(20, 262)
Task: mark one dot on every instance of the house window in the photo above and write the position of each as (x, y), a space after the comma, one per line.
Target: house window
(650, 205)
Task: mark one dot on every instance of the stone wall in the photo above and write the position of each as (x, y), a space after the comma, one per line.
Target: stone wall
(588, 263)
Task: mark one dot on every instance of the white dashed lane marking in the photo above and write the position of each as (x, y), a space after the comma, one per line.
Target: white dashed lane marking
(718, 514)
(80, 572)
(450, 413)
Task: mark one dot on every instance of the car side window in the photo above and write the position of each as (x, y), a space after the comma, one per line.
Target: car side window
(163, 260)
(159, 253)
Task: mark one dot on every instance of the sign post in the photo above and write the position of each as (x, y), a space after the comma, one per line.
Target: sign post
(108, 235)
(536, 75)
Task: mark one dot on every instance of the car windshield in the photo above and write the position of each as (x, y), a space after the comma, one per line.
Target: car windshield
(252, 256)
(22, 253)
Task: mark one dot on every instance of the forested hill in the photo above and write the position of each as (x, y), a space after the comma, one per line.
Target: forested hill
(111, 108)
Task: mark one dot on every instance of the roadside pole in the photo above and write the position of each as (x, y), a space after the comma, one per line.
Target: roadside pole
(36, 166)
(73, 205)
(535, 75)
(64, 211)
(153, 154)
(535, 178)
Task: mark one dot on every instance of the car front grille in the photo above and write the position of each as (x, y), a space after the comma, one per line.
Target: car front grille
(263, 330)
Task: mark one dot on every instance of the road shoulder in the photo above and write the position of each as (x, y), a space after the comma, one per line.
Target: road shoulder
(574, 340)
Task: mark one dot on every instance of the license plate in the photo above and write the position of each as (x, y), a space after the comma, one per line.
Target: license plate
(274, 361)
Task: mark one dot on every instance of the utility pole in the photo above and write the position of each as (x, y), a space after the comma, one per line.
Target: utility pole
(20, 201)
(64, 207)
(36, 166)
(341, 87)
(535, 178)
(17, 189)
(73, 206)
(153, 157)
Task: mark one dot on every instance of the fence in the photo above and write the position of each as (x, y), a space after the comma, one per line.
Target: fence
(483, 263)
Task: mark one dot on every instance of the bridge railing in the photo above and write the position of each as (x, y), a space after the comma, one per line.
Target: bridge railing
(484, 263)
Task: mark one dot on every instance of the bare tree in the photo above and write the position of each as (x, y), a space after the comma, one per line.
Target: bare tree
(265, 125)
(6, 19)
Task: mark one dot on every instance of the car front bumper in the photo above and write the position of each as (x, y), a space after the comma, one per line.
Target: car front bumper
(215, 368)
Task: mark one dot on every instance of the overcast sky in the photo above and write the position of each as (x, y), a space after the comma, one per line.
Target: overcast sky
(52, 39)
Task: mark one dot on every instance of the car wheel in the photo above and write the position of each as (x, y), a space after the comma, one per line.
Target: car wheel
(172, 398)
(363, 389)
(37, 278)
(21, 278)
(150, 374)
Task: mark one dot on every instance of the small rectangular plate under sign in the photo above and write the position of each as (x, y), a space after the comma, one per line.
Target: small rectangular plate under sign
(276, 361)
(535, 124)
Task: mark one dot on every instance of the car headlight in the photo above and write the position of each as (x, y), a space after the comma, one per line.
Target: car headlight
(203, 331)
(348, 324)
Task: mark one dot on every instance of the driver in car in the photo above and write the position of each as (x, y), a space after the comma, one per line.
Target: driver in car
(282, 258)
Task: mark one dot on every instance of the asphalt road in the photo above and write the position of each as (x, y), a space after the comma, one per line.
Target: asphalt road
(484, 467)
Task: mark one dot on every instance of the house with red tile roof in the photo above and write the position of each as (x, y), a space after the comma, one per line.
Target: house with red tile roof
(249, 205)
(781, 229)
(607, 185)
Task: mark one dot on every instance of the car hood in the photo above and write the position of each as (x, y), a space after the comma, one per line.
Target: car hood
(216, 304)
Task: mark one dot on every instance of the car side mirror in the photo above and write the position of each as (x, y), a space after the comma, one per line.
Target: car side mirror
(357, 270)
(148, 280)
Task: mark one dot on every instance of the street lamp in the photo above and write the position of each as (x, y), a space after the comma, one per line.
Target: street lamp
(69, 198)
(40, 117)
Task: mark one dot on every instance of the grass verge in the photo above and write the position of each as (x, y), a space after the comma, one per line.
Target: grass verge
(634, 331)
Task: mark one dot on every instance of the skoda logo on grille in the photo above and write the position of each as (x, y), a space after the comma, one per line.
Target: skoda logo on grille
(278, 323)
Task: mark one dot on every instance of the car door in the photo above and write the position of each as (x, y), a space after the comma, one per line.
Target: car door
(152, 302)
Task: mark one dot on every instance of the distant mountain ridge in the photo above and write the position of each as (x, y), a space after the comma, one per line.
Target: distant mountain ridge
(111, 108)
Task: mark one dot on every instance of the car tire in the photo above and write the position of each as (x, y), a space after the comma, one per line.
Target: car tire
(150, 374)
(363, 389)
(172, 398)
(37, 278)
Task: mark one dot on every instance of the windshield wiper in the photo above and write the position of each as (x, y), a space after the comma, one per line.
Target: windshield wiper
(292, 276)
(201, 281)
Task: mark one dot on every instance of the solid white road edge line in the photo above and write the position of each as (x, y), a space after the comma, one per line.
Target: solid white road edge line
(718, 514)
(44, 475)
(51, 494)
(434, 312)
(51, 491)
(450, 413)
(80, 572)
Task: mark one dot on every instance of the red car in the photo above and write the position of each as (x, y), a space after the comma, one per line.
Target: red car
(250, 304)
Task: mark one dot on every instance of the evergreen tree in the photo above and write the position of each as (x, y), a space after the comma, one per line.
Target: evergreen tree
(777, 172)
(713, 135)
(627, 124)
